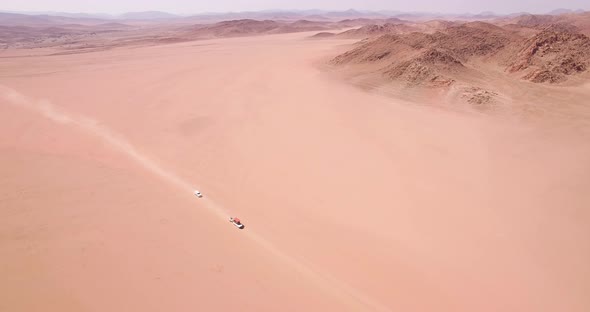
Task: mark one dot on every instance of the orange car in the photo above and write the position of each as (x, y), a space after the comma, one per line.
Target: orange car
(236, 222)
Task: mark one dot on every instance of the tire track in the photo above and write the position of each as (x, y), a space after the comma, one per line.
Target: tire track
(92, 127)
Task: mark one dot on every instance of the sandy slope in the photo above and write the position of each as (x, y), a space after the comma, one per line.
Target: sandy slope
(351, 201)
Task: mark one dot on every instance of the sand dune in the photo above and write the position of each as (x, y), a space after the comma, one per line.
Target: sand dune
(352, 200)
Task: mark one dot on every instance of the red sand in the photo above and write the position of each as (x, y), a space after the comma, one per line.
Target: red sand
(390, 206)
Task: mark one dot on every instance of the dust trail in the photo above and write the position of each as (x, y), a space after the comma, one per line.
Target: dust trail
(92, 127)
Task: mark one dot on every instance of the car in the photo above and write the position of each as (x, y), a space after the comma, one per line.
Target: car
(236, 222)
(198, 194)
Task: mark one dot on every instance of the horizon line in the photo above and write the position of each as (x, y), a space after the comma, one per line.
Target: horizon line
(362, 11)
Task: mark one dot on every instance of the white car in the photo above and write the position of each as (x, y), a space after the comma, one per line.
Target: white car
(198, 194)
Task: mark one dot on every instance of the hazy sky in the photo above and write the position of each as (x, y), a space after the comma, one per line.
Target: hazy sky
(197, 6)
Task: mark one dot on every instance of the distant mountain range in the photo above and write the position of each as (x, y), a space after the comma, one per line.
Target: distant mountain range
(318, 15)
(147, 15)
(564, 11)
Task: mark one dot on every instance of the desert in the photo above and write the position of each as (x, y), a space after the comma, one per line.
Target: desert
(379, 162)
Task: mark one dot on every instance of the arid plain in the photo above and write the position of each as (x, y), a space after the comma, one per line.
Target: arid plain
(358, 193)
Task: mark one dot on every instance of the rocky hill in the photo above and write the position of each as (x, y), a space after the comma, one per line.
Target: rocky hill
(552, 55)
(375, 30)
(430, 67)
(546, 56)
(239, 27)
(430, 59)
